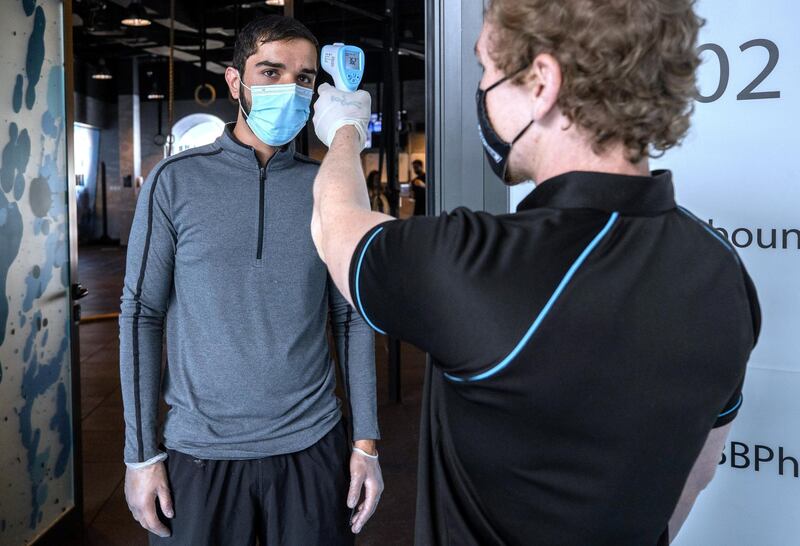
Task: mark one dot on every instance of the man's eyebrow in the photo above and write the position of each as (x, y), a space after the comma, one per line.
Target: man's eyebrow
(272, 64)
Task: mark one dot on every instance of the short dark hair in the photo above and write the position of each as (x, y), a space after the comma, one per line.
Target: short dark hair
(269, 28)
(417, 162)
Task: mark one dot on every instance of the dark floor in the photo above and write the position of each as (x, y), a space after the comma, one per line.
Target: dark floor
(106, 516)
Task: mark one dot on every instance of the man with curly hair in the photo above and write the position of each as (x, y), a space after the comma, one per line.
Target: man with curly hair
(588, 352)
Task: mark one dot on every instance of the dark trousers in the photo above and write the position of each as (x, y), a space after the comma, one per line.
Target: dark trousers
(294, 499)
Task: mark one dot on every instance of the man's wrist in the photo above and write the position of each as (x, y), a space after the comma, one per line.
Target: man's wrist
(368, 446)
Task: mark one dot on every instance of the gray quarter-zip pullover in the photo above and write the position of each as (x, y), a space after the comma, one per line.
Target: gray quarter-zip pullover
(221, 259)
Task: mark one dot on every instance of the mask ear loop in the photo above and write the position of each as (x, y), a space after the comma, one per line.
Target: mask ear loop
(502, 80)
(239, 100)
(505, 79)
(521, 133)
(528, 126)
(495, 84)
(241, 109)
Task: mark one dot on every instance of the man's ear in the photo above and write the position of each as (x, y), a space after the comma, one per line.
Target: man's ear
(544, 79)
(232, 77)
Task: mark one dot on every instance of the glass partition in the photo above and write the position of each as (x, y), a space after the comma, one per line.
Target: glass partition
(36, 482)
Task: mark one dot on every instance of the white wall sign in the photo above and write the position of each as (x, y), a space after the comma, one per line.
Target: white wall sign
(738, 170)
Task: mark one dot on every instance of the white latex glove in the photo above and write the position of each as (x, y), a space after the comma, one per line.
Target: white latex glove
(142, 487)
(335, 109)
(364, 471)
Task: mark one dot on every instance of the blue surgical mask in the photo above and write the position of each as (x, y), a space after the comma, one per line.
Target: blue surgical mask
(278, 112)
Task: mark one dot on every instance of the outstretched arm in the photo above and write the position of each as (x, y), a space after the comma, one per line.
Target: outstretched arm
(342, 214)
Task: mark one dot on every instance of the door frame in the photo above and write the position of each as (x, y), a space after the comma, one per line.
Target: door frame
(68, 528)
(458, 173)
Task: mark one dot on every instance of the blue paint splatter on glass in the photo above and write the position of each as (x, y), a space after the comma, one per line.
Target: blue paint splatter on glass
(28, 6)
(49, 125)
(44, 360)
(28, 350)
(55, 92)
(55, 181)
(61, 423)
(40, 197)
(16, 101)
(37, 280)
(51, 119)
(10, 240)
(35, 58)
(19, 187)
(15, 157)
(36, 380)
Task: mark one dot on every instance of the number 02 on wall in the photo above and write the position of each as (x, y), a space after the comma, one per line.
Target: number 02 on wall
(749, 92)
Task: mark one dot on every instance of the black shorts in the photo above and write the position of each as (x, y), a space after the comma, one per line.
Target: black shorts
(294, 499)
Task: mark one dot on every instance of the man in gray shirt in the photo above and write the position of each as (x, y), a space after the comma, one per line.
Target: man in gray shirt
(221, 259)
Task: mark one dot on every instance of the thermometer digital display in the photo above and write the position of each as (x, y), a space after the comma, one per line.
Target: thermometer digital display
(345, 64)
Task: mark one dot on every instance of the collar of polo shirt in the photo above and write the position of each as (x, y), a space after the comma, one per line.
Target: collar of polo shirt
(644, 195)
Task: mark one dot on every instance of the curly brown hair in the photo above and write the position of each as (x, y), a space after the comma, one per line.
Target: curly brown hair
(628, 66)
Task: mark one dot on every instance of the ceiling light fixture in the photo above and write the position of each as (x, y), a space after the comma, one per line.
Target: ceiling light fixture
(102, 72)
(136, 15)
(275, 2)
(154, 93)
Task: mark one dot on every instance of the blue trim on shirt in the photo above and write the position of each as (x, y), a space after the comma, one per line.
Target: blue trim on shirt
(546, 309)
(358, 277)
(709, 229)
(734, 408)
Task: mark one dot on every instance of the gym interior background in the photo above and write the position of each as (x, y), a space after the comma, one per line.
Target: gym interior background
(89, 104)
(123, 89)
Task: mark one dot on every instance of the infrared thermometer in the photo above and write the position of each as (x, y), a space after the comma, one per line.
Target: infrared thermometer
(345, 64)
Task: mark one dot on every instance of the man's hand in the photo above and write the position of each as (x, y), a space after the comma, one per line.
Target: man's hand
(142, 487)
(364, 472)
(335, 109)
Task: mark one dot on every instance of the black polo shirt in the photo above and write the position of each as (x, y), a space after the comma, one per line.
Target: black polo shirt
(582, 349)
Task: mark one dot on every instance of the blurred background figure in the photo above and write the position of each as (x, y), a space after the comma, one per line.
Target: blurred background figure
(377, 198)
(419, 187)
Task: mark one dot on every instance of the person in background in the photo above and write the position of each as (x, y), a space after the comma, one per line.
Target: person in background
(419, 187)
(221, 260)
(377, 199)
(587, 352)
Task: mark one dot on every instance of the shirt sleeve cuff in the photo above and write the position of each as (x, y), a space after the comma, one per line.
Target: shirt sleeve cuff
(356, 263)
(157, 459)
(366, 433)
(730, 413)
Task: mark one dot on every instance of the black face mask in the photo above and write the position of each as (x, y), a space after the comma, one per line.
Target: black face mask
(497, 150)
